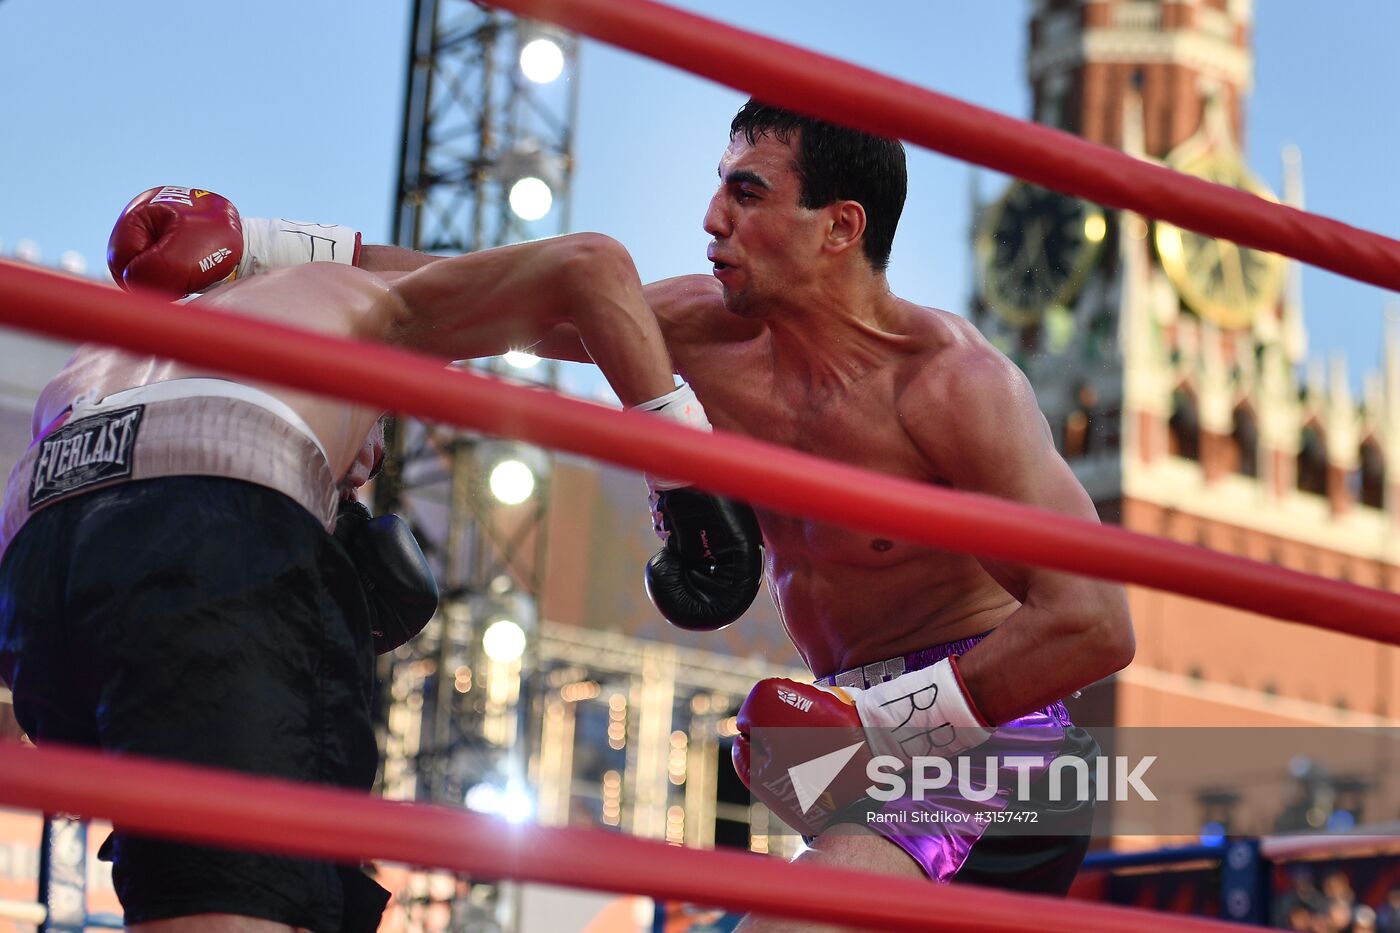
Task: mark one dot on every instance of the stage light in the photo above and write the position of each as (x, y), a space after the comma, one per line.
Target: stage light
(504, 641)
(512, 802)
(484, 798)
(73, 262)
(1094, 228)
(517, 806)
(530, 198)
(541, 60)
(512, 482)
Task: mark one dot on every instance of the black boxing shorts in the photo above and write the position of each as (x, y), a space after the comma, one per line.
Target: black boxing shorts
(204, 620)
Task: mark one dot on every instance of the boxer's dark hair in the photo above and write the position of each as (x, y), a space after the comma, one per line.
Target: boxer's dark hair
(838, 164)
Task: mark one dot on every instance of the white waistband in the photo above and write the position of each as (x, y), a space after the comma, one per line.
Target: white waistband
(194, 387)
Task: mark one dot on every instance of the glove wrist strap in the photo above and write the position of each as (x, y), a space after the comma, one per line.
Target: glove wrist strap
(276, 244)
(682, 407)
(923, 712)
(679, 405)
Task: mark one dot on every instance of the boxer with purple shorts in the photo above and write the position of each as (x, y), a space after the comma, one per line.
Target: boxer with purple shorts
(834, 364)
(797, 339)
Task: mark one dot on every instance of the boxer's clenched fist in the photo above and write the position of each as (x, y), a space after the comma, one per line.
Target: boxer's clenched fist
(176, 241)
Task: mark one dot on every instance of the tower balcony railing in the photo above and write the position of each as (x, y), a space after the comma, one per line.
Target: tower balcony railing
(1137, 15)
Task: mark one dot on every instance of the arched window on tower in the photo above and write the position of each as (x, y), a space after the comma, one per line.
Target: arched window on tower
(1184, 428)
(1312, 461)
(1372, 491)
(1244, 443)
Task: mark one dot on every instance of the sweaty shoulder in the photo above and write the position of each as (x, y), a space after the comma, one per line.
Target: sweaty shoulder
(949, 357)
(962, 397)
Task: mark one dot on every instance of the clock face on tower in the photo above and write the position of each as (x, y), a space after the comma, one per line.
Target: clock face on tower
(1035, 249)
(1223, 282)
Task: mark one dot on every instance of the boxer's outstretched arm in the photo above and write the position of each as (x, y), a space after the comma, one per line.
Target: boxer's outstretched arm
(690, 311)
(561, 343)
(975, 417)
(512, 297)
(381, 258)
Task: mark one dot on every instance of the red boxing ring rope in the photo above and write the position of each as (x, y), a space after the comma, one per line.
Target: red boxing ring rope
(786, 480)
(830, 88)
(238, 810)
(269, 815)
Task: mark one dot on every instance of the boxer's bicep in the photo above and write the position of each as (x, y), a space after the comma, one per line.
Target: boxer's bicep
(561, 343)
(480, 304)
(689, 310)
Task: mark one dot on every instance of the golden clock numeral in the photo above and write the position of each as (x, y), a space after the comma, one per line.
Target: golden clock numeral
(1233, 270)
(1222, 281)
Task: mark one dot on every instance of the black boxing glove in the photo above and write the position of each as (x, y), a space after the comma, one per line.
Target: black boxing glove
(710, 570)
(398, 582)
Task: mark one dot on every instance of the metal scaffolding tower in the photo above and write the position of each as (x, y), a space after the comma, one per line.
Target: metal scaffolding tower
(475, 126)
(486, 160)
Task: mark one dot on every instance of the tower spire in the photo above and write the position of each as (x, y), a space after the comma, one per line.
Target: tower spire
(1294, 334)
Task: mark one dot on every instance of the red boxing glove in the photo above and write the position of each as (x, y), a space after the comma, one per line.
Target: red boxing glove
(176, 241)
(807, 759)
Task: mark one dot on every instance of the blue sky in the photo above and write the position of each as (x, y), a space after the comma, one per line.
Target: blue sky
(294, 109)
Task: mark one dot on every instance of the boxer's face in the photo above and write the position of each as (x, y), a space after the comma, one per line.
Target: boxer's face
(763, 242)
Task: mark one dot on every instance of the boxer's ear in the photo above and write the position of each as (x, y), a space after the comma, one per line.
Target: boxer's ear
(846, 226)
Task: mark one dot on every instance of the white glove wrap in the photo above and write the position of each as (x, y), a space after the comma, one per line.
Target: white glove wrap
(684, 408)
(276, 244)
(921, 713)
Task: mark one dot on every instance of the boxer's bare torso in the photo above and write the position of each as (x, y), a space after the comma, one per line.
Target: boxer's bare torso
(325, 297)
(846, 597)
(797, 339)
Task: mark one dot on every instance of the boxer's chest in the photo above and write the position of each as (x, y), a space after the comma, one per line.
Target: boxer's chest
(851, 424)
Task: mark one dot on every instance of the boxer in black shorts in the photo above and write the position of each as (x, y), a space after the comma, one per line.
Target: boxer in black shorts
(212, 621)
(181, 575)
